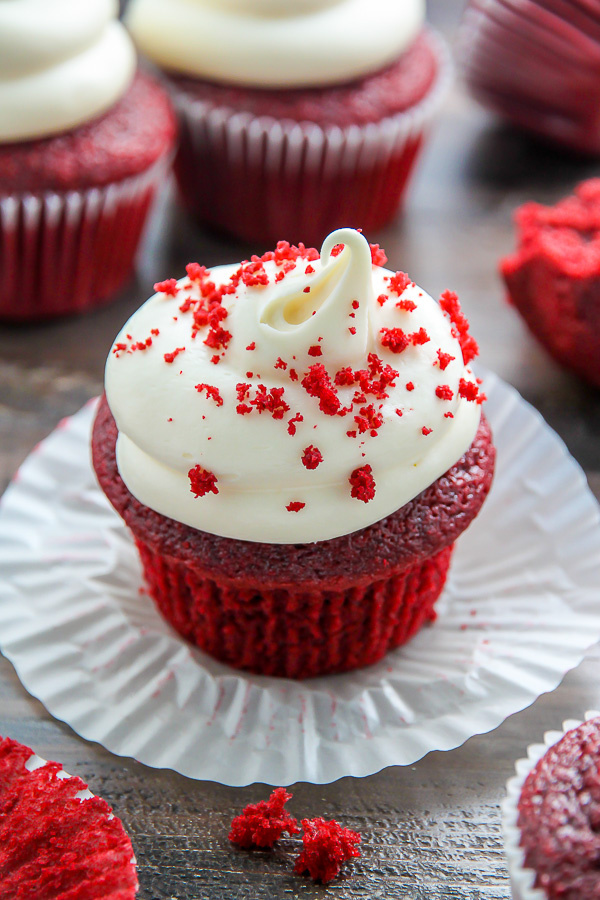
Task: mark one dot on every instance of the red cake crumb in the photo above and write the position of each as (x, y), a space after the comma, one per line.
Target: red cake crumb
(378, 255)
(312, 457)
(444, 392)
(263, 823)
(363, 483)
(170, 357)
(394, 339)
(468, 389)
(202, 481)
(410, 386)
(212, 393)
(406, 305)
(443, 360)
(168, 287)
(295, 506)
(451, 306)
(425, 430)
(317, 383)
(419, 337)
(326, 845)
(315, 350)
(382, 298)
(292, 423)
(399, 282)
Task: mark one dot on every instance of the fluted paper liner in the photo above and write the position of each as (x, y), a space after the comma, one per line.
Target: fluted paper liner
(90, 645)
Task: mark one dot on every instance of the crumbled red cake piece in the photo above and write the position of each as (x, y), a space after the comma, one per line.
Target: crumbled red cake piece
(312, 457)
(382, 298)
(399, 282)
(363, 483)
(317, 383)
(170, 357)
(444, 392)
(444, 359)
(450, 304)
(410, 386)
(394, 339)
(406, 305)
(263, 823)
(212, 393)
(468, 389)
(326, 845)
(315, 350)
(168, 287)
(292, 423)
(202, 481)
(425, 430)
(419, 337)
(295, 506)
(378, 255)
(53, 844)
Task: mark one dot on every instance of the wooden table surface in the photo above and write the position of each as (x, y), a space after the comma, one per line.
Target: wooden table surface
(431, 830)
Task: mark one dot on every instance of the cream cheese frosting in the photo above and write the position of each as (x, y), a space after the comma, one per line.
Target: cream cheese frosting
(61, 64)
(291, 399)
(275, 43)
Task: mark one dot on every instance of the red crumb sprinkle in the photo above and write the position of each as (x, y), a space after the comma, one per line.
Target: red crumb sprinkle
(337, 249)
(295, 506)
(306, 290)
(444, 392)
(263, 823)
(280, 364)
(215, 359)
(444, 360)
(378, 256)
(399, 282)
(251, 346)
(254, 273)
(292, 423)
(448, 415)
(196, 272)
(381, 299)
(394, 339)
(355, 304)
(315, 350)
(399, 412)
(326, 845)
(317, 383)
(309, 270)
(312, 457)
(419, 337)
(451, 306)
(169, 357)
(363, 484)
(352, 330)
(168, 287)
(202, 481)
(293, 375)
(212, 393)
(425, 430)
(410, 386)
(468, 389)
(406, 305)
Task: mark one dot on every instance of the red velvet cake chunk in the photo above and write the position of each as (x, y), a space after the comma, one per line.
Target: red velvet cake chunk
(326, 846)
(559, 816)
(554, 277)
(263, 823)
(54, 844)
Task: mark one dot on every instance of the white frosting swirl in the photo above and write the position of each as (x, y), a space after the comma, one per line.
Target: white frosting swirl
(61, 64)
(170, 423)
(275, 43)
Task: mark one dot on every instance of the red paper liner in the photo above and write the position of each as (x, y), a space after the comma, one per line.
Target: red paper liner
(294, 634)
(260, 178)
(58, 841)
(69, 252)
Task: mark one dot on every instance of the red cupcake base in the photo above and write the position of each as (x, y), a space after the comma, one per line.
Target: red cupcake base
(295, 634)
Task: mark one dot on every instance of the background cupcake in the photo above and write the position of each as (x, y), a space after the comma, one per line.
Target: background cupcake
(295, 118)
(84, 142)
(537, 62)
(299, 444)
(550, 816)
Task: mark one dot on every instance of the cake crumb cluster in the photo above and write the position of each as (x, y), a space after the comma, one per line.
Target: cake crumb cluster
(326, 845)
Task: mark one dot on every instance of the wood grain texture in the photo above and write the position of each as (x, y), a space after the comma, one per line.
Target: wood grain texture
(431, 830)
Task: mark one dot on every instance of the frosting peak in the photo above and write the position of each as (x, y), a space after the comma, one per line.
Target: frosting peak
(275, 43)
(61, 64)
(293, 398)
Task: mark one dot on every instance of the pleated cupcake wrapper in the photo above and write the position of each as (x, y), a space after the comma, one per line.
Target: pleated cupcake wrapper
(63, 252)
(267, 179)
(295, 633)
(522, 879)
(535, 66)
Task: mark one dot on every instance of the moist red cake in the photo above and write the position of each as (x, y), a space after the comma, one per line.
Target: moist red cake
(537, 63)
(73, 205)
(554, 277)
(54, 844)
(326, 846)
(302, 609)
(559, 816)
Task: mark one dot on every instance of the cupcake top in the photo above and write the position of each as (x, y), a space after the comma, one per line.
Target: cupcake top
(293, 398)
(275, 43)
(61, 64)
(559, 816)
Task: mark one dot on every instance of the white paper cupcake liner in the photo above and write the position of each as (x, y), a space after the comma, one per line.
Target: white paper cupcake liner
(330, 176)
(522, 880)
(62, 252)
(519, 610)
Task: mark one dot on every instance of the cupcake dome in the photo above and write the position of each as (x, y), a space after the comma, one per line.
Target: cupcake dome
(537, 62)
(56, 839)
(84, 143)
(295, 444)
(295, 119)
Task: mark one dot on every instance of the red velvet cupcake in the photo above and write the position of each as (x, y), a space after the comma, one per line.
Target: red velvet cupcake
(554, 277)
(295, 119)
(56, 839)
(537, 62)
(84, 144)
(295, 444)
(551, 813)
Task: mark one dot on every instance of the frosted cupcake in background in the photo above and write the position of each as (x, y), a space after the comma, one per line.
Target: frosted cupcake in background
(85, 139)
(295, 118)
(551, 814)
(537, 63)
(295, 443)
